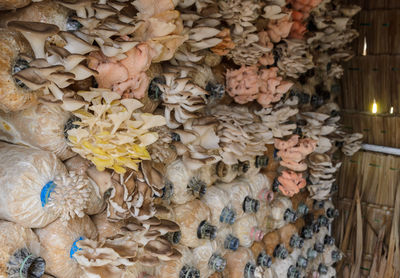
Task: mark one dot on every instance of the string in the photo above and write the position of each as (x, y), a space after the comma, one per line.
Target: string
(22, 266)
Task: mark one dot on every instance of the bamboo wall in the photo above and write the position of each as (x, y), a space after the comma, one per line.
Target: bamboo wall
(383, 130)
(367, 229)
(377, 178)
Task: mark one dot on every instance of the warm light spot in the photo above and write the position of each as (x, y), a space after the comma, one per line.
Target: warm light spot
(365, 47)
(374, 107)
(391, 110)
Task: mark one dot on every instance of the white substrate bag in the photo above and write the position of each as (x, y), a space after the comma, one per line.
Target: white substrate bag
(19, 252)
(36, 189)
(59, 244)
(42, 126)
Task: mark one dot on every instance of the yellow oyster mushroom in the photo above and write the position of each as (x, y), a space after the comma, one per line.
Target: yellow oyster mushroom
(112, 133)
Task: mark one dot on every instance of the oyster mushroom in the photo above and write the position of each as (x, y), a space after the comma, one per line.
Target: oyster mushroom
(36, 33)
(83, 8)
(76, 45)
(13, 4)
(61, 56)
(97, 258)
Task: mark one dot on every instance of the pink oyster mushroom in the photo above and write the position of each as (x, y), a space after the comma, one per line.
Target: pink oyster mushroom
(294, 151)
(272, 88)
(264, 40)
(291, 183)
(299, 28)
(280, 28)
(248, 83)
(243, 84)
(127, 77)
(304, 6)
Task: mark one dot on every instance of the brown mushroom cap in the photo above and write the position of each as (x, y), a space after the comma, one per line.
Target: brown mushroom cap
(148, 260)
(165, 226)
(158, 247)
(36, 33)
(104, 11)
(152, 234)
(151, 175)
(31, 78)
(176, 255)
(81, 7)
(153, 221)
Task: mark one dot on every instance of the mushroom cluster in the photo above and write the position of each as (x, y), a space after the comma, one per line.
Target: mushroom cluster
(237, 138)
(182, 99)
(242, 15)
(321, 175)
(111, 133)
(294, 58)
(250, 83)
(350, 143)
(180, 179)
(335, 33)
(318, 126)
(277, 118)
(294, 151)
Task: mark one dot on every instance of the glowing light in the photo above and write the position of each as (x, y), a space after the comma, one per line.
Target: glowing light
(391, 110)
(365, 47)
(374, 107)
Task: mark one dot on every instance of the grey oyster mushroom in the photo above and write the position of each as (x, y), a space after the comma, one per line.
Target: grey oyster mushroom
(36, 33)
(182, 100)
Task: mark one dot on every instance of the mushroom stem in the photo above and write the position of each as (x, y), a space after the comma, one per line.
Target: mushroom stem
(36, 33)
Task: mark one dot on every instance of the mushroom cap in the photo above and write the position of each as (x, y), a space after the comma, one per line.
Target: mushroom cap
(148, 260)
(153, 221)
(37, 28)
(165, 226)
(158, 247)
